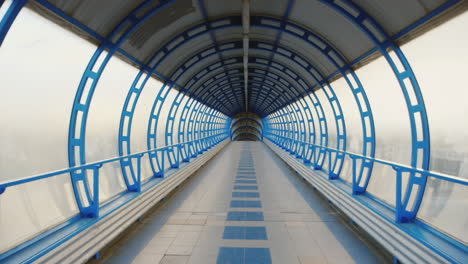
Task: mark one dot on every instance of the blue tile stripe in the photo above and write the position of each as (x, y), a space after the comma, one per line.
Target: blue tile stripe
(245, 177)
(245, 187)
(246, 181)
(233, 255)
(246, 174)
(245, 204)
(244, 216)
(245, 232)
(245, 195)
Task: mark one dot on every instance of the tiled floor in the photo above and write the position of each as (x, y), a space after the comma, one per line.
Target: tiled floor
(244, 206)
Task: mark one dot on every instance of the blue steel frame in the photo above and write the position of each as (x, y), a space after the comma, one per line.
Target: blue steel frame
(132, 100)
(405, 214)
(408, 206)
(247, 129)
(301, 82)
(289, 71)
(83, 99)
(259, 45)
(246, 120)
(359, 94)
(84, 94)
(172, 116)
(267, 87)
(248, 123)
(10, 15)
(194, 32)
(247, 135)
(156, 110)
(275, 43)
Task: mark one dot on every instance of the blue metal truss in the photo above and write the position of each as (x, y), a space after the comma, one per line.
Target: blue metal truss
(247, 120)
(84, 94)
(246, 128)
(247, 135)
(302, 82)
(279, 123)
(409, 203)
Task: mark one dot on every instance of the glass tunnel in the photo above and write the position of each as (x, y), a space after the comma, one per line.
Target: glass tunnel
(242, 131)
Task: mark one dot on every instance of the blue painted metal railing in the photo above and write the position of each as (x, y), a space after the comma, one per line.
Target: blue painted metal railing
(95, 166)
(400, 169)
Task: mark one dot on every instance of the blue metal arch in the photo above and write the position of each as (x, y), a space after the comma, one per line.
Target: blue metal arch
(413, 109)
(234, 60)
(242, 128)
(156, 110)
(246, 119)
(316, 105)
(207, 89)
(316, 99)
(245, 127)
(246, 135)
(406, 208)
(190, 132)
(84, 94)
(190, 35)
(9, 17)
(337, 126)
(291, 111)
(153, 63)
(278, 38)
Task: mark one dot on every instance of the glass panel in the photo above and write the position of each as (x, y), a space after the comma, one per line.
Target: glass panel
(392, 125)
(139, 134)
(40, 67)
(103, 123)
(442, 77)
(330, 117)
(353, 124)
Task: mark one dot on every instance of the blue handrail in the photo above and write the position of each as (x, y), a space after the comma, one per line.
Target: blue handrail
(394, 165)
(398, 167)
(98, 164)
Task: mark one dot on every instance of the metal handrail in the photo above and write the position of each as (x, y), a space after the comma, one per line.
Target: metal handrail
(396, 166)
(92, 165)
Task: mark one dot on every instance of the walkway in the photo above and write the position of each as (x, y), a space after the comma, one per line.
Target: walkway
(244, 206)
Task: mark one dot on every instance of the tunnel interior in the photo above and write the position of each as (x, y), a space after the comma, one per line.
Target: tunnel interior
(102, 99)
(246, 126)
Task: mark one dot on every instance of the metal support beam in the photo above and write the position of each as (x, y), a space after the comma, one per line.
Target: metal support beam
(245, 34)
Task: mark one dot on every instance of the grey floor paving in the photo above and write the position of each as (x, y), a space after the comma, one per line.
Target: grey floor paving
(188, 227)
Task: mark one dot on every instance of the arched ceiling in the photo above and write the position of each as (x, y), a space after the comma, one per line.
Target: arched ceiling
(198, 46)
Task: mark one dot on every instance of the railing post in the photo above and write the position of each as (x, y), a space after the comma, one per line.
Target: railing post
(354, 174)
(95, 206)
(138, 183)
(163, 161)
(176, 155)
(317, 165)
(398, 189)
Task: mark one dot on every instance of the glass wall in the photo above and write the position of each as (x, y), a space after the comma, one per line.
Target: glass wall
(439, 59)
(40, 66)
(139, 133)
(102, 131)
